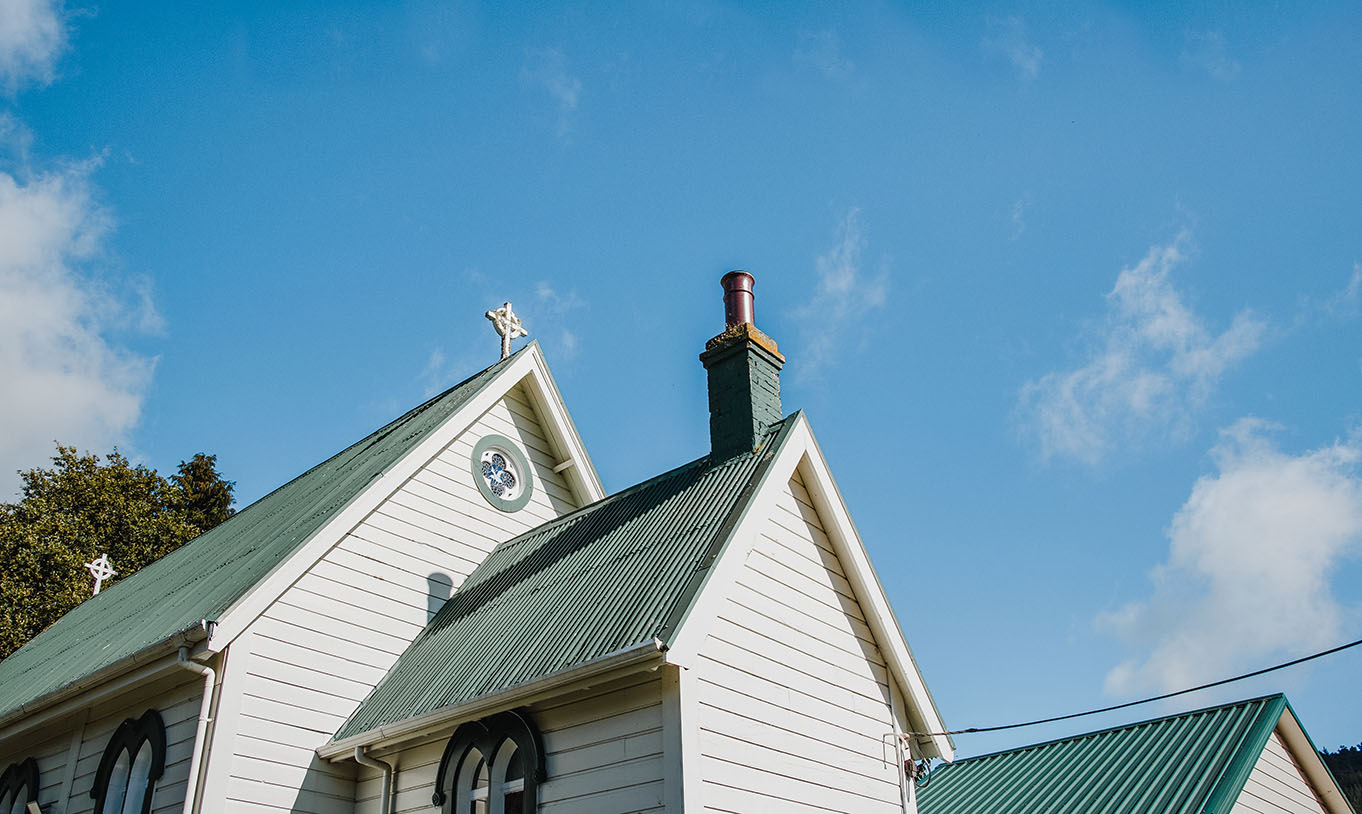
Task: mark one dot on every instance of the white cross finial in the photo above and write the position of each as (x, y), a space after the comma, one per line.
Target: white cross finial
(508, 326)
(101, 569)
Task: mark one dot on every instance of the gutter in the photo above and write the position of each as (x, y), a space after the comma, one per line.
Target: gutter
(201, 731)
(629, 659)
(61, 701)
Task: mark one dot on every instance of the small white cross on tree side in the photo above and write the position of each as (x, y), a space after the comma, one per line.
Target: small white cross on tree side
(101, 569)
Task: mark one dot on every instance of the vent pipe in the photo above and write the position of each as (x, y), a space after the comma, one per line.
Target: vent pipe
(738, 299)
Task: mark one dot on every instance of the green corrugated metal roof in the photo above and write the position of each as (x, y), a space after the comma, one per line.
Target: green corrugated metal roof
(1193, 763)
(201, 579)
(603, 579)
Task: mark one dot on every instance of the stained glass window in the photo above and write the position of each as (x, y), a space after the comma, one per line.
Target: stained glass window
(499, 470)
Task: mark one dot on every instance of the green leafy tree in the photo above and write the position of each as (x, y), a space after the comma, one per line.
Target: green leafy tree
(81, 508)
(1346, 766)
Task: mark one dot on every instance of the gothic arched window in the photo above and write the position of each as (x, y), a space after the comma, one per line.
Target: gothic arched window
(492, 766)
(132, 763)
(18, 786)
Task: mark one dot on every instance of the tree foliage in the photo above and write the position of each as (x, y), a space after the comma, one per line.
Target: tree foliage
(81, 508)
(1346, 767)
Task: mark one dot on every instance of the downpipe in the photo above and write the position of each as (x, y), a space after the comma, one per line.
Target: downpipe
(387, 769)
(191, 791)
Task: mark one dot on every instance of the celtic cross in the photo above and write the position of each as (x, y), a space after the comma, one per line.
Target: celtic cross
(508, 326)
(101, 569)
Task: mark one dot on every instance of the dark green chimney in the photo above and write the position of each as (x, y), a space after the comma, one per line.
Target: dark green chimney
(744, 375)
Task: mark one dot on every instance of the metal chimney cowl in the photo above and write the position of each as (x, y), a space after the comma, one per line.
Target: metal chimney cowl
(744, 374)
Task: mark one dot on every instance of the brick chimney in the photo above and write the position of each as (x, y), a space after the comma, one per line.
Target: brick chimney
(744, 375)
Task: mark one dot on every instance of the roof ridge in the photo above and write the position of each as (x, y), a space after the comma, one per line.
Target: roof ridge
(380, 432)
(771, 442)
(1263, 699)
(363, 443)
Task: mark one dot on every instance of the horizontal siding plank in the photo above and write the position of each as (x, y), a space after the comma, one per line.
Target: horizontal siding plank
(776, 621)
(828, 762)
(779, 784)
(801, 671)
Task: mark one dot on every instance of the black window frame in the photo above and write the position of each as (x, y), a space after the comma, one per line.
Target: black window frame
(18, 776)
(129, 737)
(487, 737)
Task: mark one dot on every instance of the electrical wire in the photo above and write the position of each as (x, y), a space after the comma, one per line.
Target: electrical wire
(1223, 681)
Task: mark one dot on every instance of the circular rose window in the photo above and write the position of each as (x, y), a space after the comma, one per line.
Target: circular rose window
(501, 472)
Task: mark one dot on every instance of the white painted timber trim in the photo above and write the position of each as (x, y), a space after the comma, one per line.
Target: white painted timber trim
(1303, 752)
(527, 367)
(869, 591)
(562, 432)
(799, 452)
(222, 732)
(681, 740)
(68, 780)
(606, 668)
(695, 624)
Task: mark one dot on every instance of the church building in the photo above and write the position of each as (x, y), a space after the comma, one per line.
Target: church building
(451, 615)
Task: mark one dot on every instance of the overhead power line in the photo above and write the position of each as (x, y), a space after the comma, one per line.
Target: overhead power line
(1151, 699)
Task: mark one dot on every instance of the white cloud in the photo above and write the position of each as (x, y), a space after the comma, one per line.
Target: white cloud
(66, 378)
(1209, 52)
(1252, 556)
(843, 295)
(32, 36)
(1007, 37)
(823, 51)
(1153, 364)
(547, 69)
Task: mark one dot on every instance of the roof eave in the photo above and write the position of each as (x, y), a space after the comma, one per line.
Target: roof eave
(633, 659)
(52, 703)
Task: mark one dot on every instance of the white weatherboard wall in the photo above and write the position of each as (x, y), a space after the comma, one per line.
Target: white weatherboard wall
(793, 695)
(314, 654)
(603, 750)
(68, 754)
(1277, 785)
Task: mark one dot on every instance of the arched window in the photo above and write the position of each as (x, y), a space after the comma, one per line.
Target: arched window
(18, 786)
(492, 766)
(132, 763)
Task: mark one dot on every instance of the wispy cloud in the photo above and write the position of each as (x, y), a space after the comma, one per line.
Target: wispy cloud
(1344, 303)
(844, 294)
(1007, 37)
(1251, 561)
(547, 70)
(66, 375)
(1152, 364)
(553, 309)
(822, 50)
(1209, 52)
(1018, 215)
(32, 37)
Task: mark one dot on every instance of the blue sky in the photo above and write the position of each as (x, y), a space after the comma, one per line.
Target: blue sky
(1071, 295)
